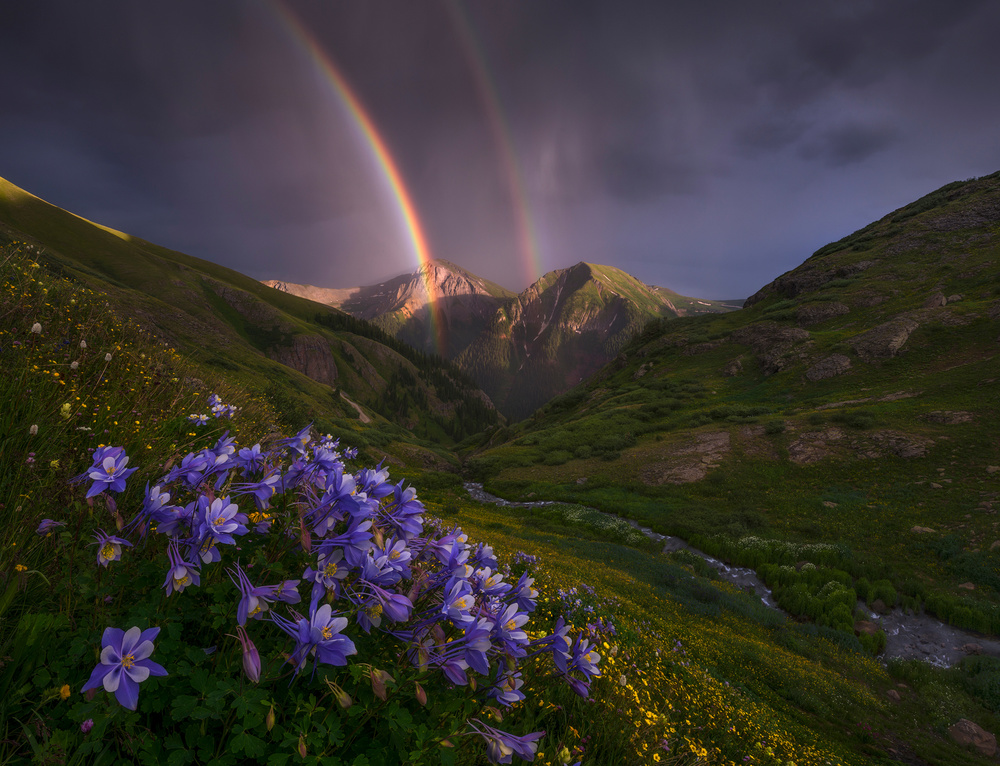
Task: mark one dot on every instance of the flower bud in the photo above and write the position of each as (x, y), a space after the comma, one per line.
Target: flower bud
(269, 719)
(65, 411)
(421, 694)
(343, 698)
(302, 746)
(251, 658)
(378, 684)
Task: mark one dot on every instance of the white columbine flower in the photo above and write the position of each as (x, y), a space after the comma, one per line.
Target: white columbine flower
(107, 357)
(33, 431)
(36, 328)
(83, 344)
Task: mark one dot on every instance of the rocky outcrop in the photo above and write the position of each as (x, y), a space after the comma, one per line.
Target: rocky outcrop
(251, 308)
(310, 355)
(885, 340)
(690, 460)
(806, 278)
(834, 365)
(814, 313)
(771, 342)
(965, 733)
(813, 446)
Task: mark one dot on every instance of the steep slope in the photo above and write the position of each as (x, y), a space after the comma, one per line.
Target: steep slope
(853, 401)
(559, 331)
(302, 353)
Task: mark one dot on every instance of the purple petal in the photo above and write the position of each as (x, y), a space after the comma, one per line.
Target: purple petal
(130, 640)
(149, 634)
(113, 637)
(154, 668)
(96, 678)
(128, 692)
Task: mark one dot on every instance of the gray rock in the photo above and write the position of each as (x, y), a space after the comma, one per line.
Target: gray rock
(814, 313)
(830, 367)
(935, 301)
(965, 733)
(949, 417)
(735, 367)
(884, 341)
(954, 298)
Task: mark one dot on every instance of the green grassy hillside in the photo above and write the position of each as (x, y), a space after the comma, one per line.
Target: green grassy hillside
(853, 401)
(311, 359)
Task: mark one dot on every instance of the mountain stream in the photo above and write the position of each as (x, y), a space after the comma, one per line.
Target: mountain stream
(908, 636)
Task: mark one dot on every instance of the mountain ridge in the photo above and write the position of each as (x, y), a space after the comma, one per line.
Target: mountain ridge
(520, 348)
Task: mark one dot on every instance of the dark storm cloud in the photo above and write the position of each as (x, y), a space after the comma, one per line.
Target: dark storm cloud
(707, 144)
(849, 144)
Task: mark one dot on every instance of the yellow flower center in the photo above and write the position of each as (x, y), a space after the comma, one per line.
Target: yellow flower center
(330, 570)
(375, 610)
(394, 555)
(128, 661)
(219, 521)
(255, 610)
(326, 632)
(108, 552)
(511, 625)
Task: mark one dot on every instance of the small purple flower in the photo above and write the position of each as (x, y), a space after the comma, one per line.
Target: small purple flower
(109, 472)
(109, 547)
(500, 745)
(125, 664)
(48, 526)
(221, 520)
(320, 635)
(87, 725)
(182, 573)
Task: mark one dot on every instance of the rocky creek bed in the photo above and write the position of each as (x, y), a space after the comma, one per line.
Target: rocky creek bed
(908, 636)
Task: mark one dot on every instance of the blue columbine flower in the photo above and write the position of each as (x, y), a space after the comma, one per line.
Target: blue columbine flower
(221, 520)
(182, 573)
(110, 472)
(500, 745)
(109, 547)
(319, 635)
(125, 664)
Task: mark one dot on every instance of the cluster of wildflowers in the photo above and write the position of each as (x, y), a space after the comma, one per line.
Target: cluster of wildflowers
(373, 566)
(217, 408)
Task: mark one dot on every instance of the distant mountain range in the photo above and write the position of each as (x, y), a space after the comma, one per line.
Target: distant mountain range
(523, 348)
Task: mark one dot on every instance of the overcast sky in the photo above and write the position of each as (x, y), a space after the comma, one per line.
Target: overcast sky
(705, 146)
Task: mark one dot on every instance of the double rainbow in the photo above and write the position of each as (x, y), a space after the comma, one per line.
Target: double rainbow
(379, 150)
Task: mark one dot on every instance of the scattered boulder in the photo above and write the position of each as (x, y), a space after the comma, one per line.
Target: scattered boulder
(885, 340)
(690, 460)
(921, 530)
(814, 313)
(582, 480)
(972, 648)
(830, 367)
(992, 468)
(935, 485)
(865, 627)
(829, 504)
(735, 367)
(949, 417)
(900, 444)
(955, 298)
(967, 586)
(935, 301)
(965, 733)
(893, 695)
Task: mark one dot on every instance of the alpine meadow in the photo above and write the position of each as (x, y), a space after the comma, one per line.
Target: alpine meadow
(244, 526)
